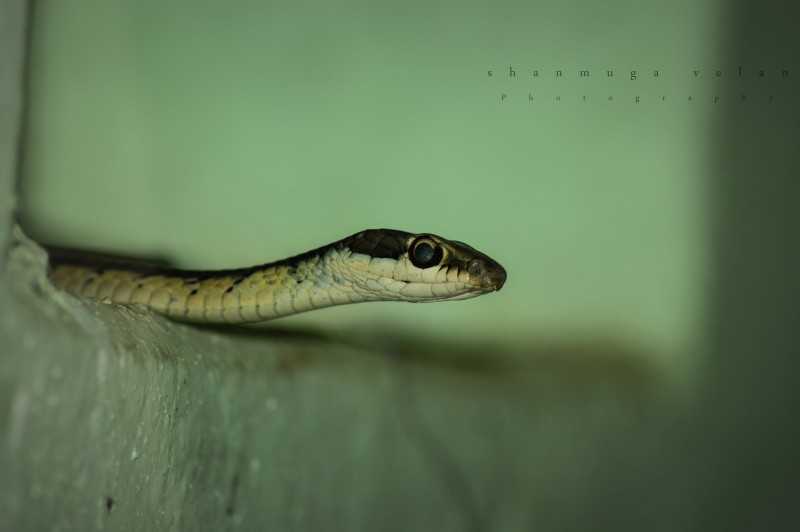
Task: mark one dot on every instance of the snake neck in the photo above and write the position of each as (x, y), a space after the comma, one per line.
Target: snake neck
(229, 296)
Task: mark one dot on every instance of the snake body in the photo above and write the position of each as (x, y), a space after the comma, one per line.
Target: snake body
(373, 265)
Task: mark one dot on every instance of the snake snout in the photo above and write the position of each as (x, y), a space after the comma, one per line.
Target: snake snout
(495, 277)
(498, 277)
(490, 274)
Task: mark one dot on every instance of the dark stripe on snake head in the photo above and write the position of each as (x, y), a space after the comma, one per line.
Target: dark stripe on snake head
(379, 243)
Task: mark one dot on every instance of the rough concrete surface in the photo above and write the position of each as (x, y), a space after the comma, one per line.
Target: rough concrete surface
(113, 418)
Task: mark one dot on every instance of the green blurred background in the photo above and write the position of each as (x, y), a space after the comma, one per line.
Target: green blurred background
(636, 235)
(225, 134)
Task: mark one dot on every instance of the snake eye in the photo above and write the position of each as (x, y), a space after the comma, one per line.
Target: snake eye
(425, 253)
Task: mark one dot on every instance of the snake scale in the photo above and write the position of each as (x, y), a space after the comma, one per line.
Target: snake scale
(372, 265)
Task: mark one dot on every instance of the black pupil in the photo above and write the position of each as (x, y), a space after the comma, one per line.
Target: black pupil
(424, 255)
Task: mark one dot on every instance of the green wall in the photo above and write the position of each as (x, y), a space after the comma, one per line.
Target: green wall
(224, 134)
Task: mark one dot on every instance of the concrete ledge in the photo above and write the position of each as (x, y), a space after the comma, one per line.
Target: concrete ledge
(114, 418)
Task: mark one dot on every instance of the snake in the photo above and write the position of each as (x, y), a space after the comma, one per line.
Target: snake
(371, 265)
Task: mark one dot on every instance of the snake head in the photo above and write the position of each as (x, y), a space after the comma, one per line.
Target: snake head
(420, 267)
